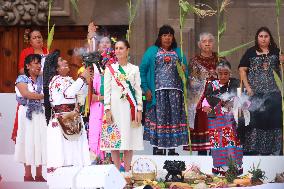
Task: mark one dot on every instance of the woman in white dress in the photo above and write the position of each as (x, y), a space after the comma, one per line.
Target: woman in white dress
(123, 107)
(30, 147)
(60, 92)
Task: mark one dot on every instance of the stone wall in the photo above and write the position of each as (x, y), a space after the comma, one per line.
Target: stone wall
(243, 17)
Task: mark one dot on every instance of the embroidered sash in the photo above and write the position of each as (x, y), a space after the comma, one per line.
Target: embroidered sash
(130, 96)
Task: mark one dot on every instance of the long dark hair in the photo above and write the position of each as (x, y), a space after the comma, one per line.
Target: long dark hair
(49, 71)
(272, 45)
(166, 29)
(28, 60)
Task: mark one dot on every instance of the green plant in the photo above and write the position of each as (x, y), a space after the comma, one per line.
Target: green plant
(257, 174)
(201, 10)
(132, 10)
(233, 171)
(222, 26)
(51, 31)
(280, 84)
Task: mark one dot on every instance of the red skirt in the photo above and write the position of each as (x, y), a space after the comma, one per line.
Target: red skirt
(15, 129)
(199, 135)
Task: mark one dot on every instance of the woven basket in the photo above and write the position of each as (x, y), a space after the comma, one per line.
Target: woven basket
(144, 176)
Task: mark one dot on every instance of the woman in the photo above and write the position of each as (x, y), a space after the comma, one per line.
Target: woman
(202, 71)
(97, 106)
(123, 108)
(60, 92)
(165, 118)
(36, 47)
(35, 40)
(264, 133)
(218, 103)
(30, 147)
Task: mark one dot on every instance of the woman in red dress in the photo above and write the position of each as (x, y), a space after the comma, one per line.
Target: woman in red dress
(35, 47)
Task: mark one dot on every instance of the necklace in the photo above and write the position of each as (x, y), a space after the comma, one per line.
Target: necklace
(265, 61)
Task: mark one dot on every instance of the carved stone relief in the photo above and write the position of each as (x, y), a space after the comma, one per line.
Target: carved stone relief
(23, 12)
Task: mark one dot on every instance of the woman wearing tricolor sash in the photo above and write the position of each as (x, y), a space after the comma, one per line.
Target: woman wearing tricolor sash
(122, 130)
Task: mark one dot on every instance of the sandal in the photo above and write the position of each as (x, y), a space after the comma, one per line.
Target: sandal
(40, 179)
(29, 179)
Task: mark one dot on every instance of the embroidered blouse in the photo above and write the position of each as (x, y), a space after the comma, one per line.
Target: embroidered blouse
(63, 90)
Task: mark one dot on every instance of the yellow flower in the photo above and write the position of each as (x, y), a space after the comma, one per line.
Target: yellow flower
(121, 77)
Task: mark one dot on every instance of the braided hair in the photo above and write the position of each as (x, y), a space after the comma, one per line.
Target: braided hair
(49, 71)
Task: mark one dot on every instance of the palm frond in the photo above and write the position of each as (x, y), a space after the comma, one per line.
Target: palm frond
(50, 37)
(229, 52)
(74, 4)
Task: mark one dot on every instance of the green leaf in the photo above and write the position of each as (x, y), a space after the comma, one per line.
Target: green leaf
(229, 52)
(278, 81)
(49, 13)
(184, 6)
(222, 29)
(278, 7)
(132, 14)
(50, 37)
(74, 5)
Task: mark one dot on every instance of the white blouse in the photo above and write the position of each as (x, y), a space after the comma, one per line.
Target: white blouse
(63, 90)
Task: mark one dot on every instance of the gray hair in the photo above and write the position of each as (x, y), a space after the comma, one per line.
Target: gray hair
(204, 34)
(223, 64)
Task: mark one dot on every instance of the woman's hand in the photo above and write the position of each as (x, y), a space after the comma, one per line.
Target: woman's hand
(92, 28)
(281, 58)
(87, 74)
(138, 117)
(109, 117)
(206, 109)
(249, 91)
(148, 96)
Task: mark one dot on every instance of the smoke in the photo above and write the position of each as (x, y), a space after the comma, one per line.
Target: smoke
(257, 103)
(80, 51)
(245, 101)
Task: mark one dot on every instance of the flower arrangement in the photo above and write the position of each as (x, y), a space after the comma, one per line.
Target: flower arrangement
(108, 57)
(257, 175)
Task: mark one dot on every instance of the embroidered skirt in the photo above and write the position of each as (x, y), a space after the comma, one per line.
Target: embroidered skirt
(165, 123)
(224, 141)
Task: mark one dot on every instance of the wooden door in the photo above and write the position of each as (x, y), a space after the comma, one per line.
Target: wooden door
(8, 58)
(66, 38)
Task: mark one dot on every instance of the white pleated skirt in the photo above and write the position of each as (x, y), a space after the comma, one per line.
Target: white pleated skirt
(30, 145)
